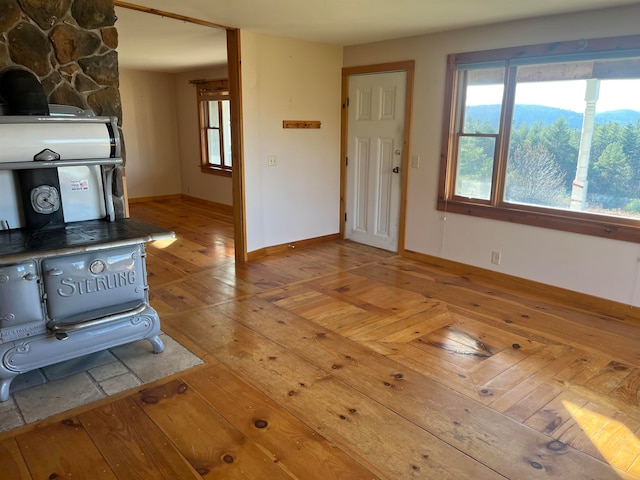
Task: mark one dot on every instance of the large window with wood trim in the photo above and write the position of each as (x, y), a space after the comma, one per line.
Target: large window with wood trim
(215, 126)
(547, 135)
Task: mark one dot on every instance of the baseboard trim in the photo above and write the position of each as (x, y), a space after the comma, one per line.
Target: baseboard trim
(256, 254)
(583, 301)
(220, 207)
(277, 249)
(156, 198)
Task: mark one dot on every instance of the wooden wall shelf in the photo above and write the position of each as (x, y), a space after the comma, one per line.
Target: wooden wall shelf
(300, 124)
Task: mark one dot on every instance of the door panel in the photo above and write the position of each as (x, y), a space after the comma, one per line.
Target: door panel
(383, 220)
(363, 104)
(361, 187)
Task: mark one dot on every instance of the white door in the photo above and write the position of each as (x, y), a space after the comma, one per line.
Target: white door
(374, 157)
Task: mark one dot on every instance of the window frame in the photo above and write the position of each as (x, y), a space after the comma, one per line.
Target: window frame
(619, 228)
(212, 91)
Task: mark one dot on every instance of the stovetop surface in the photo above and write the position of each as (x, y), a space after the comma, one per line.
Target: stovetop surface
(17, 245)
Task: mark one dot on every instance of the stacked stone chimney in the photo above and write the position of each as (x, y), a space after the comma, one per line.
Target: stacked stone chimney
(69, 45)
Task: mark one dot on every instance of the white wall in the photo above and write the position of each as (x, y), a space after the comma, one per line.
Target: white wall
(150, 132)
(592, 265)
(210, 187)
(160, 124)
(283, 79)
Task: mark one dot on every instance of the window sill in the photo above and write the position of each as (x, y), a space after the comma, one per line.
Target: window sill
(215, 171)
(624, 229)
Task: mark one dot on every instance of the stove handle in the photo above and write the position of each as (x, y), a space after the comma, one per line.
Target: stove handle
(30, 277)
(108, 192)
(62, 327)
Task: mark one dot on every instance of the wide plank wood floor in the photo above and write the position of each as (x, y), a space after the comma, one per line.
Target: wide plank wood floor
(340, 361)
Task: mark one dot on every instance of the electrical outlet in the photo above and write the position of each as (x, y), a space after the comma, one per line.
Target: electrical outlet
(272, 160)
(495, 257)
(415, 161)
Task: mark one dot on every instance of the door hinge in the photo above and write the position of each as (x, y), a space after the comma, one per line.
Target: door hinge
(346, 161)
(345, 217)
(347, 102)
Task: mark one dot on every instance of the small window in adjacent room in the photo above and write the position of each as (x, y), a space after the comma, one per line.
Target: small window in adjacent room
(215, 126)
(546, 139)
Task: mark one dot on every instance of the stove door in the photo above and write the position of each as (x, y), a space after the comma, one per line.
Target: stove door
(94, 283)
(21, 312)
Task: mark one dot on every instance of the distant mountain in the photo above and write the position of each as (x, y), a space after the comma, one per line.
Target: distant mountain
(548, 115)
(619, 116)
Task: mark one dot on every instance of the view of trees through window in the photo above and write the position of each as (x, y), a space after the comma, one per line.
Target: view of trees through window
(559, 155)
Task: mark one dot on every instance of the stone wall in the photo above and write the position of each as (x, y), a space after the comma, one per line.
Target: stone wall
(69, 45)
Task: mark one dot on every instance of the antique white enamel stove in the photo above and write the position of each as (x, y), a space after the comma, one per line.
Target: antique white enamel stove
(72, 274)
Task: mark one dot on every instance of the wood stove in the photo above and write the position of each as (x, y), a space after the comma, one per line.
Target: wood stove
(72, 273)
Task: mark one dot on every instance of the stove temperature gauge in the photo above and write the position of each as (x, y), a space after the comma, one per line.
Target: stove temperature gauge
(45, 199)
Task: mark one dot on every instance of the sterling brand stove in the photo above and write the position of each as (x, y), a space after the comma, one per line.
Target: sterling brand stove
(72, 275)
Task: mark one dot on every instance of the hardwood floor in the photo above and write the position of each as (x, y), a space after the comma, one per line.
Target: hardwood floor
(340, 361)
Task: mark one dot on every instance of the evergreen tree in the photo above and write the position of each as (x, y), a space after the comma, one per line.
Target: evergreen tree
(518, 137)
(535, 136)
(612, 176)
(631, 148)
(562, 143)
(603, 136)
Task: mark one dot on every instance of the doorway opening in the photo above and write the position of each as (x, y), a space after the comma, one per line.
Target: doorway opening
(230, 42)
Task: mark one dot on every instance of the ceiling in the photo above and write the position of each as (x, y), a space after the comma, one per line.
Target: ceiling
(156, 43)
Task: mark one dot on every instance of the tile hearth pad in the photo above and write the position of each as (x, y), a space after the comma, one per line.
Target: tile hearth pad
(63, 386)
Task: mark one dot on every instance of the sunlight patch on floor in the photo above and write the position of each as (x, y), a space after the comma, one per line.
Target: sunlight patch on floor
(617, 444)
(162, 244)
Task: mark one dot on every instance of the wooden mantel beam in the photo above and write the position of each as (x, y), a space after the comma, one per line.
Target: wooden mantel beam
(175, 16)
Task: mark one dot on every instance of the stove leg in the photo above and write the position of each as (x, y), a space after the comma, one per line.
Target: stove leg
(156, 343)
(4, 388)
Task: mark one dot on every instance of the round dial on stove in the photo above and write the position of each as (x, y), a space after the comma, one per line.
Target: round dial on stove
(97, 266)
(45, 199)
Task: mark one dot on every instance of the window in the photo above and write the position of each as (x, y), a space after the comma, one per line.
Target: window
(551, 140)
(215, 127)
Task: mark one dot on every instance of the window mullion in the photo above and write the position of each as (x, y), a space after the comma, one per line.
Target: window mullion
(221, 135)
(502, 150)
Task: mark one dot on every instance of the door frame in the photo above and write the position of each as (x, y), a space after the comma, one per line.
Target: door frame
(407, 66)
(234, 73)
